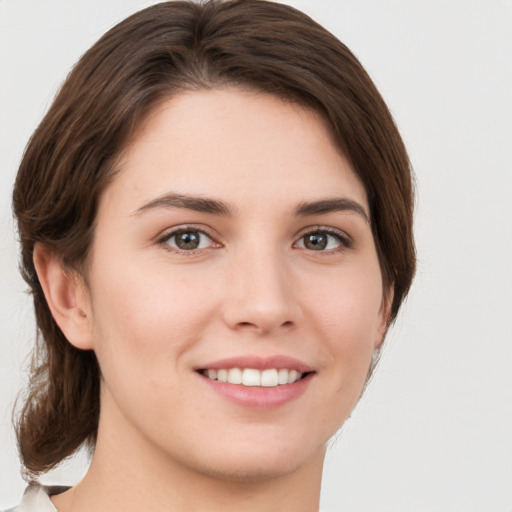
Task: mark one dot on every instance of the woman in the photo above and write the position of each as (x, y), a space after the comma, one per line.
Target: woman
(216, 224)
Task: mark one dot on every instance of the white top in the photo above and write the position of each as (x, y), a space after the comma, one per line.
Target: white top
(37, 499)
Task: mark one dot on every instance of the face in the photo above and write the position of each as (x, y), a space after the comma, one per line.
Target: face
(235, 295)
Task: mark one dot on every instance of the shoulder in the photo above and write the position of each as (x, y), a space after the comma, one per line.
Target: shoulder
(37, 499)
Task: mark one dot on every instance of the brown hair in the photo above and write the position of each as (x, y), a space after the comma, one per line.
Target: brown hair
(147, 58)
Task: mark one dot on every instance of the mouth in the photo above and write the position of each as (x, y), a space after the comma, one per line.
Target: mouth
(255, 382)
(252, 377)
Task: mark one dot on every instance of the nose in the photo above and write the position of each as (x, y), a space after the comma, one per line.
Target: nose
(260, 294)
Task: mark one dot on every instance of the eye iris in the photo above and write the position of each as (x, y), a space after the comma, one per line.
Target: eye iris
(315, 241)
(187, 240)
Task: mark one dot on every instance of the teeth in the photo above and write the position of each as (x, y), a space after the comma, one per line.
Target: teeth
(292, 376)
(269, 378)
(252, 377)
(282, 376)
(235, 376)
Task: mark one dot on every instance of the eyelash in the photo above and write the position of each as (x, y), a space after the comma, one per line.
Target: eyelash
(345, 241)
(164, 240)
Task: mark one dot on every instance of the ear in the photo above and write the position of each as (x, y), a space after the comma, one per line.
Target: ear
(67, 297)
(384, 316)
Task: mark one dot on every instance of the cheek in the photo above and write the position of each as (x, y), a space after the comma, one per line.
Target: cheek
(144, 318)
(144, 325)
(347, 313)
(348, 305)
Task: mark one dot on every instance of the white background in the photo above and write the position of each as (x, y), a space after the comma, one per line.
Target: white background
(434, 431)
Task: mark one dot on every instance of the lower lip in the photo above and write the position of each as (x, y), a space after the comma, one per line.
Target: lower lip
(260, 397)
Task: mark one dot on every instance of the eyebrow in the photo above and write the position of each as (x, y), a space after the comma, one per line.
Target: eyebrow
(331, 205)
(217, 207)
(189, 202)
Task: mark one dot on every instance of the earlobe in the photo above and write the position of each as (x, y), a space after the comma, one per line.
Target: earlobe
(66, 295)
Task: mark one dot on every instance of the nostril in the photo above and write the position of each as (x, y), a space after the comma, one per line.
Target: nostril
(288, 323)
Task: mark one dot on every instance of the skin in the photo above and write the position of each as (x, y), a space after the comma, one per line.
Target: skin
(153, 314)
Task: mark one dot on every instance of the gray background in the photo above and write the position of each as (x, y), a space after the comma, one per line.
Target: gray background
(434, 431)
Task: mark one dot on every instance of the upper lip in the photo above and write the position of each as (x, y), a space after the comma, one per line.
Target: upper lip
(259, 363)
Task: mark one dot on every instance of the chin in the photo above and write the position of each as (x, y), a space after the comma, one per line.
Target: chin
(259, 459)
(241, 469)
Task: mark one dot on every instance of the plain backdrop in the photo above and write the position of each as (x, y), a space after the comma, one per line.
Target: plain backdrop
(434, 431)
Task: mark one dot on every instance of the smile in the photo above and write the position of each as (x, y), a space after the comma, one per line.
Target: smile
(258, 383)
(270, 377)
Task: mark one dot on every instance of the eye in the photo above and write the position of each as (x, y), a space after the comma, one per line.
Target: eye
(187, 239)
(323, 240)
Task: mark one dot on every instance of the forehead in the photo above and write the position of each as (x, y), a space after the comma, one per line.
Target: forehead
(236, 145)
